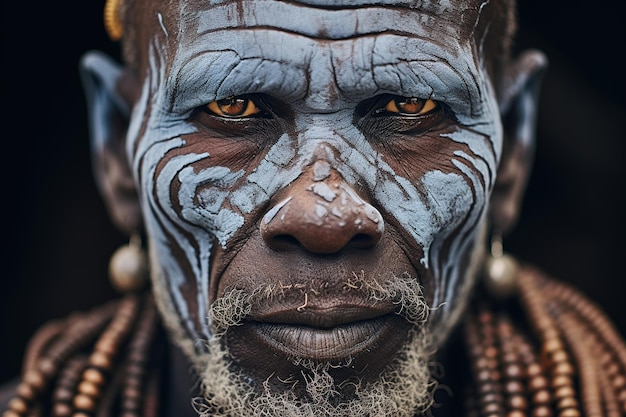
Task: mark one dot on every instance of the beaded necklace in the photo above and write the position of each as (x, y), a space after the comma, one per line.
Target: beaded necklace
(562, 358)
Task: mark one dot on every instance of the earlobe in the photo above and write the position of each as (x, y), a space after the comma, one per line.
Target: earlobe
(518, 102)
(108, 91)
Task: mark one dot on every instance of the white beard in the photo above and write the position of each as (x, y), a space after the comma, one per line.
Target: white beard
(404, 389)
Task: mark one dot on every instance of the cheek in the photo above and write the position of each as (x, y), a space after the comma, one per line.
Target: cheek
(430, 209)
(194, 198)
(186, 203)
(438, 191)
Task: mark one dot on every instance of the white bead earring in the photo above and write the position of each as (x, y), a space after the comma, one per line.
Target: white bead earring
(128, 267)
(500, 270)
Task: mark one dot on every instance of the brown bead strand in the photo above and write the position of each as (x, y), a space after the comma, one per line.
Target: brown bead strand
(598, 321)
(532, 302)
(611, 404)
(614, 376)
(608, 372)
(609, 398)
(43, 366)
(481, 339)
(554, 353)
(601, 329)
(102, 359)
(67, 381)
(562, 380)
(513, 372)
(137, 361)
(589, 383)
(41, 340)
(537, 384)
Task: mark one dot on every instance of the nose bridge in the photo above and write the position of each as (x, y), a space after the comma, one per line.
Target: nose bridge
(321, 211)
(329, 137)
(322, 160)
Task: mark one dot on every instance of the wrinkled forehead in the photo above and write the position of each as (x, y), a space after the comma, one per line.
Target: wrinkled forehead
(357, 48)
(333, 19)
(319, 19)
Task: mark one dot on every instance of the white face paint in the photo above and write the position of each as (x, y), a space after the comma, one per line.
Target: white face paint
(198, 190)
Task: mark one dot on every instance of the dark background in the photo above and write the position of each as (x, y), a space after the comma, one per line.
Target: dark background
(57, 238)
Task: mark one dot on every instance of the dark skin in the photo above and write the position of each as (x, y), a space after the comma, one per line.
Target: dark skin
(303, 181)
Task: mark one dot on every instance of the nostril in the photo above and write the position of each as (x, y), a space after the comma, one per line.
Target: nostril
(363, 240)
(283, 242)
(320, 243)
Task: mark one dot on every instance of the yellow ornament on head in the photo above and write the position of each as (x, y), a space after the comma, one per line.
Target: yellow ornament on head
(112, 21)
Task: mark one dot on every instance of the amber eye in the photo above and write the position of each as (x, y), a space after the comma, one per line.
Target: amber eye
(411, 106)
(233, 107)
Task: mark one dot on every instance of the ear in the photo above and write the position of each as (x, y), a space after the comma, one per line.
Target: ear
(518, 101)
(109, 92)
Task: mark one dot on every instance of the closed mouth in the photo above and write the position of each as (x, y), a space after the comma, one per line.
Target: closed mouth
(340, 342)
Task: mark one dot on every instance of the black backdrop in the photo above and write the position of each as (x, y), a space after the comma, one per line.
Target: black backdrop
(57, 238)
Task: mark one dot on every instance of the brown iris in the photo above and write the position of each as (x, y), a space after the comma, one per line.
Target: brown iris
(411, 106)
(235, 107)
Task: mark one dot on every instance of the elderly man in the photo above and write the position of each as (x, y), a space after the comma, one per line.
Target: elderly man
(316, 183)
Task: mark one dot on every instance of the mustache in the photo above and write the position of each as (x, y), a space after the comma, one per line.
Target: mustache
(404, 292)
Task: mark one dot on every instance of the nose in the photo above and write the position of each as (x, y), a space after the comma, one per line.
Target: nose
(323, 214)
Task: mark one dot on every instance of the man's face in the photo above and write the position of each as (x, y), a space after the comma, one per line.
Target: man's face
(322, 174)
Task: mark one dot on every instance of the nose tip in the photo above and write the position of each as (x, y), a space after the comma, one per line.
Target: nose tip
(323, 218)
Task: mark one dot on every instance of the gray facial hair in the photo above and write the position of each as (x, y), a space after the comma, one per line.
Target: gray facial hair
(404, 389)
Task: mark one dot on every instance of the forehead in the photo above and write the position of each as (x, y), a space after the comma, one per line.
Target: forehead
(351, 49)
(330, 19)
(316, 19)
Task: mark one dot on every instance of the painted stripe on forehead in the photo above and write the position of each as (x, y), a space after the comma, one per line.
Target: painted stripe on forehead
(318, 22)
(437, 6)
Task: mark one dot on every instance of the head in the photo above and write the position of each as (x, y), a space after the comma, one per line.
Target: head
(315, 181)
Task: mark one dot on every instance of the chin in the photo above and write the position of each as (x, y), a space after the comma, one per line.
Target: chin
(403, 387)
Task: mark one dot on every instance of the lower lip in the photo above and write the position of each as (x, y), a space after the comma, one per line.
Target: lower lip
(341, 342)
